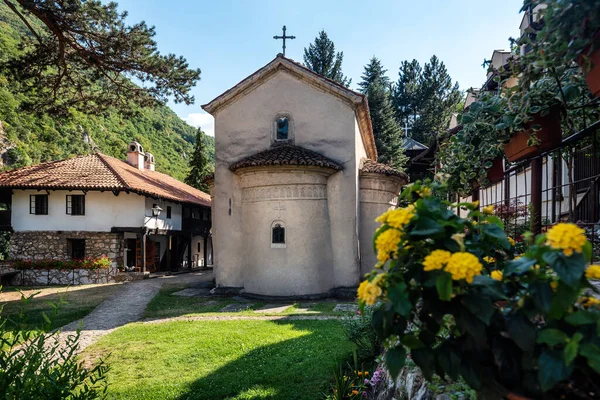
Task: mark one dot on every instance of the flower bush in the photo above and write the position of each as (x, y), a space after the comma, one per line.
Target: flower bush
(91, 263)
(453, 293)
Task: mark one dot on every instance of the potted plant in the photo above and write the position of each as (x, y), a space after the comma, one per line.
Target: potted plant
(569, 31)
(531, 119)
(472, 157)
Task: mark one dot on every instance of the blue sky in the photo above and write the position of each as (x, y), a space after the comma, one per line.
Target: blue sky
(228, 40)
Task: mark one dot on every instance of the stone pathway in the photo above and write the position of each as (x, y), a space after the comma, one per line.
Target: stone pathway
(342, 307)
(244, 318)
(125, 306)
(236, 307)
(272, 308)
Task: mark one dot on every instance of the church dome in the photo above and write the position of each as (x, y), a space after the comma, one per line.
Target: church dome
(286, 155)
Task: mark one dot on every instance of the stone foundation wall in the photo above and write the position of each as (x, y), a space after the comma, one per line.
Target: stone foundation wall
(41, 277)
(42, 245)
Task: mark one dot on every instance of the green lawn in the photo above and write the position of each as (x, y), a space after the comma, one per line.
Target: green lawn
(75, 303)
(164, 305)
(222, 359)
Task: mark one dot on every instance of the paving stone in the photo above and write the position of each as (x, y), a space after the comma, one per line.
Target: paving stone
(238, 298)
(235, 307)
(210, 303)
(191, 292)
(345, 307)
(273, 308)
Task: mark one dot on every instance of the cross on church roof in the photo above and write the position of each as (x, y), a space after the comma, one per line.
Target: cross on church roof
(284, 37)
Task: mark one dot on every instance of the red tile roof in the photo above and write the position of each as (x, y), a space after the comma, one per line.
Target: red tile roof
(101, 172)
(373, 167)
(286, 155)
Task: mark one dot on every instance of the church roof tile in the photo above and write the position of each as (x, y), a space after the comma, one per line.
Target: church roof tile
(101, 172)
(370, 166)
(286, 155)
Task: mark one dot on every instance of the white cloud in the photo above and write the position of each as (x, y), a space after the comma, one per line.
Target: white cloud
(202, 120)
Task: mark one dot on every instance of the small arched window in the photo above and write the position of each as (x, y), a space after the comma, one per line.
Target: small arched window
(283, 124)
(278, 234)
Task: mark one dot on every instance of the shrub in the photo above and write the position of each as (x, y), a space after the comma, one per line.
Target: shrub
(454, 293)
(360, 332)
(92, 263)
(36, 365)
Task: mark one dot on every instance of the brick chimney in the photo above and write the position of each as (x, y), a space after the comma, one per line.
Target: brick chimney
(135, 155)
(149, 162)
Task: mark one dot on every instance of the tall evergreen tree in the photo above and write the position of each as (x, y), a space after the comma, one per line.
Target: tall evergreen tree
(425, 98)
(200, 167)
(321, 58)
(388, 136)
(374, 73)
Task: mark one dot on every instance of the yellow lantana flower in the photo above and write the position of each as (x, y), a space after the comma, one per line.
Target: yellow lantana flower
(387, 244)
(436, 260)
(589, 301)
(464, 265)
(567, 237)
(401, 217)
(425, 192)
(554, 285)
(368, 292)
(489, 260)
(593, 272)
(511, 241)
(497, 275)
(383, 217)
(476, 204)
(488, 210)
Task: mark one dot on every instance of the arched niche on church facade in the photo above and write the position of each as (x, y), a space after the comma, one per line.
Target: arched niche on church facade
(283, 128)
(286, 230)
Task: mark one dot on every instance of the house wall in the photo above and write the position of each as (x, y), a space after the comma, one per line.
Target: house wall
(103, 210)
(161, 222)
(320, 122)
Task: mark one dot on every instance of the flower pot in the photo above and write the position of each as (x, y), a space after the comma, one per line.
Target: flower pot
(550, 137)
(593, 75)
(496, 172)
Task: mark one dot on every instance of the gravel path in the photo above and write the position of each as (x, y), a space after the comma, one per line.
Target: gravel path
(125, 306)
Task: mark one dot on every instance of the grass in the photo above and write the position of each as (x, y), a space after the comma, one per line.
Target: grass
(164, 305)
(74, 302)
(250, 359)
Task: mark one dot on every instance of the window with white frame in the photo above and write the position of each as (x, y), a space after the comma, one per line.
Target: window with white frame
(75, 204)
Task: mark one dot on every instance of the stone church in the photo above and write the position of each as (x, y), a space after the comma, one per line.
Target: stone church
(297, 187)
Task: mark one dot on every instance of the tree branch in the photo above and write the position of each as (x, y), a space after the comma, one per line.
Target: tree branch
(22, 17)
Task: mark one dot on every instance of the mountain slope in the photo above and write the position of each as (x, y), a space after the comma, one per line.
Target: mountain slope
(27, 138)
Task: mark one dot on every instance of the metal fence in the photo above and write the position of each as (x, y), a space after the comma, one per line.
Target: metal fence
(560, 186)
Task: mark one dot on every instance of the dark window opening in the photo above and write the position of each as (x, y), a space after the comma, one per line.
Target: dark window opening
(75, 204)
(278, 234)
(76, 248)
(168, 212)
(199, 247)
(282, 128)
(196, 213)
(38, 204)
(205, 214)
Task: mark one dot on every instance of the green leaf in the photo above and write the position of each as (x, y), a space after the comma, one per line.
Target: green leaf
(518, 267)
(552, 337)
(493, 231)
(592, 353)
(552, 369)
(570, 351)
(443, 284)
(582, 317)
(479, 306)
(425, 360)
(425, 227)
(46, 318)
(394, 359)
(587, 251)
(489, 287)
(398, 295)
(522, 331)
(448, 360)
(412, 341)
(569, 269)
(542, 293)
(564, 297)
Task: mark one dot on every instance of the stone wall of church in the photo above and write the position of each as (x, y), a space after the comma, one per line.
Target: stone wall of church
(296, 199)
(378, 193)
(40, 245)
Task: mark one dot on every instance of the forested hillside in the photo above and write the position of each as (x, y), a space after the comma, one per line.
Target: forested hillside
(28, 138)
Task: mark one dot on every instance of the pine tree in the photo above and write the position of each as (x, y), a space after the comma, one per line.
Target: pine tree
(425, 98)
(321, 58)
(199, 164)
(388, 136)
(374, 73)
(80, 54)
